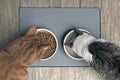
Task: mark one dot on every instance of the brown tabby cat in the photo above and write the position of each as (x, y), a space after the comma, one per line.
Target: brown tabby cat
(15, 59)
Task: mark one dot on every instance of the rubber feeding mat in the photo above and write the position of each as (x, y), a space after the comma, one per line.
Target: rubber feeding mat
(59, 21)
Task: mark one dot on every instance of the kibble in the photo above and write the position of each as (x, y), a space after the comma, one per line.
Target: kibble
(47, 38)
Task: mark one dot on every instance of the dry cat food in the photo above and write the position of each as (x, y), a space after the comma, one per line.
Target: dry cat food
(47, 38)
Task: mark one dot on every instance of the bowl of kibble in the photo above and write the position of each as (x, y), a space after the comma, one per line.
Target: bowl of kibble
(48, 37)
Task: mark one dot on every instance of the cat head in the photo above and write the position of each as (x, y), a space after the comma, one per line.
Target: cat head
(28, 49)
(70, 43)
(76, 33)
(79, 43)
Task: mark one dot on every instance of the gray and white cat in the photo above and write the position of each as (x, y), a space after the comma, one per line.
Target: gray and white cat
(103, 56)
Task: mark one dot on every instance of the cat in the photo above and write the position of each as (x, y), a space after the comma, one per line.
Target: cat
(103, 56)
(19, 55)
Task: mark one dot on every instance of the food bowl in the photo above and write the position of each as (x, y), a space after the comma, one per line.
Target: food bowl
(68, 50)
(48, 36)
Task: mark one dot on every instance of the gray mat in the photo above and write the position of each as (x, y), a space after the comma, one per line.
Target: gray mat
(60, 21)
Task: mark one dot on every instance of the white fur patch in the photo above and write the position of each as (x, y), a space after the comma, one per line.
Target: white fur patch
(101, 40)
(87, 55)
(80, 46)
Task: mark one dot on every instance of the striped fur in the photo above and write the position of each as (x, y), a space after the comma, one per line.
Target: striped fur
(17, 56)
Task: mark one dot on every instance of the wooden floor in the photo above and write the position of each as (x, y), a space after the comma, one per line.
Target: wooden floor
(110, 25)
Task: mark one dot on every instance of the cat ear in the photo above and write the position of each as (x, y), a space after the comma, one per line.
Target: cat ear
(77, 31)
(42, 49)
(31, 31)
(70, 45)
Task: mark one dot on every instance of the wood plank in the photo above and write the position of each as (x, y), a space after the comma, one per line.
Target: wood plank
(87, 3)
(70, 3)
(109, 11)
(110, 25)
(111, 33)
(98, 4)
(55, 74)
(36, 73)
(67, 73)
(55, 3)
(45, 74)
(9, 21)
(35, 3)
(117, 35)
(117, 28)
(118, 12)
(91, 3)
(88, 73)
